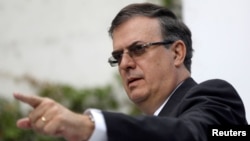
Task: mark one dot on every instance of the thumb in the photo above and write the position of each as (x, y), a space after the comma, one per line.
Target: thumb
(24, 123)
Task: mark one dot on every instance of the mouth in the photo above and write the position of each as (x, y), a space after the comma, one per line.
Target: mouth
(132, 81)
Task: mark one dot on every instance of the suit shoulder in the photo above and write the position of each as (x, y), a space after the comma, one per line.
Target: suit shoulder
(215, 87)
(216, 83)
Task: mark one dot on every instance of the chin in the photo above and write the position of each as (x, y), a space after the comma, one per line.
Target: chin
(137, 97)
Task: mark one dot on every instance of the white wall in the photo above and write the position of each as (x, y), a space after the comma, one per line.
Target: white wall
(57, 41)
(221, 41)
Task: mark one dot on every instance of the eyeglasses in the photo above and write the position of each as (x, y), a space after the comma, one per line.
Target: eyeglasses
(134, 50)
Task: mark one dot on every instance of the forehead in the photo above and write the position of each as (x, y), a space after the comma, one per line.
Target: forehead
(136, 29)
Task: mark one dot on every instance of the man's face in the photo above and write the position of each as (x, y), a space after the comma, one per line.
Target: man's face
(148, 77)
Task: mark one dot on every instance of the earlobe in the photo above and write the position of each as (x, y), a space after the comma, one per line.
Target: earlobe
(179, 52)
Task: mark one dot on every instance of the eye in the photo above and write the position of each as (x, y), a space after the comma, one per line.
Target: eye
(137, 50)
(117, 55)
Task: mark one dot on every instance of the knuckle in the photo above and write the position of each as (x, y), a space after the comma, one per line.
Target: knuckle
(49, 102)
(56, 109)
(59, 118)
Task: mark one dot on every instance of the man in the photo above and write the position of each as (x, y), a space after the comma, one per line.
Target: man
(153, 52)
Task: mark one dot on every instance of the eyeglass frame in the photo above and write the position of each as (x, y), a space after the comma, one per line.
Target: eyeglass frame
(132, 51)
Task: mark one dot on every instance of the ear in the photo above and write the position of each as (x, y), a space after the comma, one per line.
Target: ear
(179, 50)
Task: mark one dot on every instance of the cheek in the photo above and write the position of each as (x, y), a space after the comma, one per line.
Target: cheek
(122, 74)
(123, 78)
(159, 68)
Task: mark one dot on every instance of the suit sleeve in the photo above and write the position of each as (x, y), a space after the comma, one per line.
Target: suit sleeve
(213, 102)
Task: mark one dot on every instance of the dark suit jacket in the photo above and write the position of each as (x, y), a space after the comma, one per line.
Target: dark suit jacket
(185, 117)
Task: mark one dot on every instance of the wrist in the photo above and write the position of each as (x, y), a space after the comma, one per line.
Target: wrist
(99, 131)
(86, 127)
(91, 118)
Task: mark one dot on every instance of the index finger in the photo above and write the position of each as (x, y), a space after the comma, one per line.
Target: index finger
(32, 100)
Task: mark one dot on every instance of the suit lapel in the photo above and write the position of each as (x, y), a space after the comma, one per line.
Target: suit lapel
(174, 101)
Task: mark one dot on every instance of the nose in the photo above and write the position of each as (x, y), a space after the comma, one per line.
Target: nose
(127, 62)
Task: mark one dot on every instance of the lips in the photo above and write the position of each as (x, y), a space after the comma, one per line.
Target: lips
(132, 80)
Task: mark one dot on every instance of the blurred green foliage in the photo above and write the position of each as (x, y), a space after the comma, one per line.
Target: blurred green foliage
(175, 6)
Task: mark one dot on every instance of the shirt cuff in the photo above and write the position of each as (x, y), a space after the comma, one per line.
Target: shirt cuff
(100, 130)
